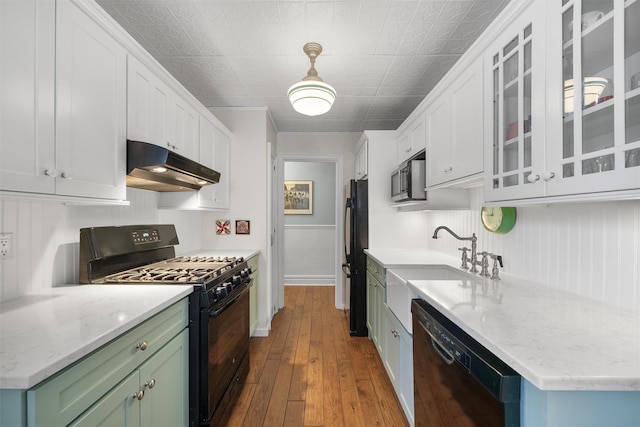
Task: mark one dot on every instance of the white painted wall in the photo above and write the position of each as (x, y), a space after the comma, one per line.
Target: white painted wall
(249, 189)
(310, 240)
(388, 228)
(46, 237)
(332, 144)
(339, 143)
(590, 249)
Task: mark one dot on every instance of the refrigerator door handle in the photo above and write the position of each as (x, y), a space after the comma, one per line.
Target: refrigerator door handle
(346, 270)
(347, 256)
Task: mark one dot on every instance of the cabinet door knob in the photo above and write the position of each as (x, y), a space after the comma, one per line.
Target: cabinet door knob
(143, 345)
(151, 383)
(138, 395)
(533, 177)
(64, 175)
(548, 175)
(51, 173)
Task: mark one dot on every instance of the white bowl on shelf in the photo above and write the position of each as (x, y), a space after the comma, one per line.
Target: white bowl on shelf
(595, 90)
(588, 19)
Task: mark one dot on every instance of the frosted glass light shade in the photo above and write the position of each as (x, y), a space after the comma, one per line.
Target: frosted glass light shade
(311, 98)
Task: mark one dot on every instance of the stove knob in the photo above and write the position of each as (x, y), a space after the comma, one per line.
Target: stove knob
(237, 280)
(228, 286)
(221, 292)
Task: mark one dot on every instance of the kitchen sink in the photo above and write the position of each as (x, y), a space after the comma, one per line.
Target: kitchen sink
(432, 273)
(399, 294)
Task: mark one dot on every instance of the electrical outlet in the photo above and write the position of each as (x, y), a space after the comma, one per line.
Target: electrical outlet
(6, 246)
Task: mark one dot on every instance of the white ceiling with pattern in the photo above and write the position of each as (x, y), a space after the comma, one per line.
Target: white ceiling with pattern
(382, 56)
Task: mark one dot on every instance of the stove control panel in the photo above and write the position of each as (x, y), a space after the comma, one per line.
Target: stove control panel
(145, 236)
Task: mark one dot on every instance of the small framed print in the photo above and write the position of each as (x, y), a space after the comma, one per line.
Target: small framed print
(298, 197)
(243, 226)
(223, 227)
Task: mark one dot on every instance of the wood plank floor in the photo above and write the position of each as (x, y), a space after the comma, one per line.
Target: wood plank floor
(310, 372)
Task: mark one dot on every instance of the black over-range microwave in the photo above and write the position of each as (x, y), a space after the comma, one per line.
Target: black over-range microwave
(408, 181)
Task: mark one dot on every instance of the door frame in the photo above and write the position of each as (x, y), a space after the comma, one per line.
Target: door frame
(338, 160)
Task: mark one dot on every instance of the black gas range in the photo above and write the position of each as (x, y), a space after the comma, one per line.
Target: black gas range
(218, 307)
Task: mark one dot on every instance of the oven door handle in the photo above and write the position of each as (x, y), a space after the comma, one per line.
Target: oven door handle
(440, 350)
(216, 313)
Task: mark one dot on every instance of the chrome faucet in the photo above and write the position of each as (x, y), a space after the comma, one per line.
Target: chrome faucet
(474, 247)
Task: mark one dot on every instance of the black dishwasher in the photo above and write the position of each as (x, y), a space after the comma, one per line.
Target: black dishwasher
(457, 381)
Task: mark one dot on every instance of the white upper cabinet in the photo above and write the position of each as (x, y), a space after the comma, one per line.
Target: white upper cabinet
(214, 152)
(148, 104)
(454, 129)
(27, 70)
(594, 93)
(185, 128)
(362, 158)
(91, 83)
(563, 103)
(157, 114)
(412, 140)
(515, 109)
(53, 54)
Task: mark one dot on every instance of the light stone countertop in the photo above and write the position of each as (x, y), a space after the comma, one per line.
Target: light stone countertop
(556, 340)
(44, 332)
(244, 253)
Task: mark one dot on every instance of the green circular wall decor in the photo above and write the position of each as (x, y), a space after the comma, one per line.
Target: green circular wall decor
(498, 220)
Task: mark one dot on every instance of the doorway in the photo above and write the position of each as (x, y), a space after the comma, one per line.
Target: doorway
(310, 243)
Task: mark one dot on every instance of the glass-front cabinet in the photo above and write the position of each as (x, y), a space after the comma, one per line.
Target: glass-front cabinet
(600, 132)
(515, 125)
(586, 139)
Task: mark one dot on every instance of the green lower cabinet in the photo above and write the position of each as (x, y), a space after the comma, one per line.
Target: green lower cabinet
(117, 408)
(253, 295)
(156, 394)
(406, 373)
(165, 381)
(376, 297)
(151, 361)
(398, 360)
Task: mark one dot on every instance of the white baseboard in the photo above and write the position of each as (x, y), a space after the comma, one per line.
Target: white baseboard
(260, 332)
(309, 280)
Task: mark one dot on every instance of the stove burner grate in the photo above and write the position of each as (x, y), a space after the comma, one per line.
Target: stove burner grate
(197, 270)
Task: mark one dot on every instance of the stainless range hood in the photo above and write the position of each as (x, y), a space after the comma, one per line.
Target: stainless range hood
(155, 168)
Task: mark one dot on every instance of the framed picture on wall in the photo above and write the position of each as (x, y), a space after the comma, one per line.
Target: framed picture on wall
(243, 226)
(298, 197)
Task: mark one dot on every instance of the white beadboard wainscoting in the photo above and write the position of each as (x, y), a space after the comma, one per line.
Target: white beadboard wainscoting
(309, 255)
(46, 237)
(590, 249)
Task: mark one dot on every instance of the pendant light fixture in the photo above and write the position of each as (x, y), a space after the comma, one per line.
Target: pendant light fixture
(312, 96)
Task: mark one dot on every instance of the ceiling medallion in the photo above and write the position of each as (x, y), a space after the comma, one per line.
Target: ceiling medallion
(312, 96)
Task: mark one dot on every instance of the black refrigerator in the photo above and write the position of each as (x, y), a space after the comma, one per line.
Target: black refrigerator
(356, 240)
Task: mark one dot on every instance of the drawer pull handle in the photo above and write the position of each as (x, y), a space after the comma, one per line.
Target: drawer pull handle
(151, 383)
(143, 345)
(138, 395)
